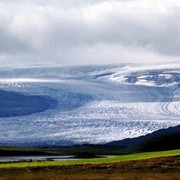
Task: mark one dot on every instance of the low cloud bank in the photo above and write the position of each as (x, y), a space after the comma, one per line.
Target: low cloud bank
(89, 32)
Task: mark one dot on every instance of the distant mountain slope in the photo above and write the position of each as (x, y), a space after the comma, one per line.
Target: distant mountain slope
(159, 140)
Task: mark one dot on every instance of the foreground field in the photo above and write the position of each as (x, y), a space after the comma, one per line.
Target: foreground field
(152, 165)
(92, 176)
(138, 156)
(165, 168)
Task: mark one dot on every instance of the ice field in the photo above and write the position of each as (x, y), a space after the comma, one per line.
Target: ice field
(42, 106)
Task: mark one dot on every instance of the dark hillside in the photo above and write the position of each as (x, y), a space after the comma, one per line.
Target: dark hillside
(139, 140)
(167, 141)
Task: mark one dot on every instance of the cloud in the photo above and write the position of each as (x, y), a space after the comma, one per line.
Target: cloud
(88, 32)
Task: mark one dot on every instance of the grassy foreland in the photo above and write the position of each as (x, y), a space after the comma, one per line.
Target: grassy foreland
(142, 166)
(113, 159)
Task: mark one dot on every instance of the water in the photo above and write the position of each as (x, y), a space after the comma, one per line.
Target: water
(34, 158)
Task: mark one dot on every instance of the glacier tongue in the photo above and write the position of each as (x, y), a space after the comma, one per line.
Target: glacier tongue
(96, 104)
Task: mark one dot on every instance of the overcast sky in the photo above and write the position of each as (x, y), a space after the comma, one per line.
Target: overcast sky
(76, 32)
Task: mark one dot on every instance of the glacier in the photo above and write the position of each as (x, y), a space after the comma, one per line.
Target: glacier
(95, 104)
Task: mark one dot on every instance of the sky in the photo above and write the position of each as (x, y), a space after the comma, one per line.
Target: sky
(81, 32)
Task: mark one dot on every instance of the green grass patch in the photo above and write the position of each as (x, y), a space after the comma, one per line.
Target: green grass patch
(137, 156)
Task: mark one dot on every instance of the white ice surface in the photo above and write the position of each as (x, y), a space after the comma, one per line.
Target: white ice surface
(96, 104)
